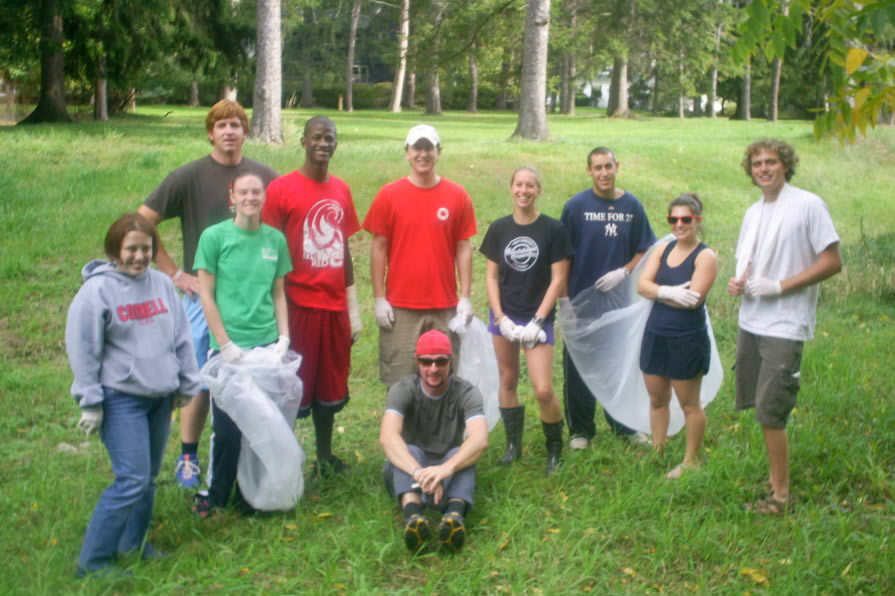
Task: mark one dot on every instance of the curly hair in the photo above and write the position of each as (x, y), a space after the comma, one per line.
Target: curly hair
(783, 149)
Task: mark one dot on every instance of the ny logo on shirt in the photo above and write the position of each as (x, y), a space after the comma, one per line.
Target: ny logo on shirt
(610, 229)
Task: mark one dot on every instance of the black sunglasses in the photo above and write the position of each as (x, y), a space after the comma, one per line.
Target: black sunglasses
(443, 361)
(687, 219)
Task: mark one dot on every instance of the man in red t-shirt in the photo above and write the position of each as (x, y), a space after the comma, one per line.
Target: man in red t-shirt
(315, 212)
(421, 227)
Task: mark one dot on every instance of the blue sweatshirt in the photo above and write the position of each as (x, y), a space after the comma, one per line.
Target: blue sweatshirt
(128, 333)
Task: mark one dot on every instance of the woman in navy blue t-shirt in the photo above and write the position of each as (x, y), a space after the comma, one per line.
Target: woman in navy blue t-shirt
(675, 349)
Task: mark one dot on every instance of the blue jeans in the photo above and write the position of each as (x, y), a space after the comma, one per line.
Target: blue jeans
(134, 431)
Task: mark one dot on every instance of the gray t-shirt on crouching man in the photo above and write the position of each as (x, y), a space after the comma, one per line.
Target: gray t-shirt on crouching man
(434, 424)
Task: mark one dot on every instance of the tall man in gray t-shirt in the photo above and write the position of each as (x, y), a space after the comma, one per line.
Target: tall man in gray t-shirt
(429, 460)
(198, 193)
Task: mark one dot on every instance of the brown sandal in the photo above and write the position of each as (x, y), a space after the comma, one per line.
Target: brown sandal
(770, 505)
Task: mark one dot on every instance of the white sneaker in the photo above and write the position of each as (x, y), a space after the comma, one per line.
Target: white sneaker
(640, 438)
(578, 442)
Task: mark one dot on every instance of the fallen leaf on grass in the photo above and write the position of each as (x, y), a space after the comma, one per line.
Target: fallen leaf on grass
(340, 429)
(291, 526)
(845, 571)
(323, 515)
(629, 571)
(553, 530)
(53, 541)
(785, 561)
(245, 571)
(756, 575)
(563, 496)
(505, 543)
(359, 456)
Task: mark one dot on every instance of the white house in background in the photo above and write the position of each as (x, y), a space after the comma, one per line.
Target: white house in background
(599, 86)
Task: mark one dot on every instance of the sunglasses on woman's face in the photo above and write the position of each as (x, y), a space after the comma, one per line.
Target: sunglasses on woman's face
(686, 219)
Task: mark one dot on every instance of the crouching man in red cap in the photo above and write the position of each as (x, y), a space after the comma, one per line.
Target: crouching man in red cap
(430, 463)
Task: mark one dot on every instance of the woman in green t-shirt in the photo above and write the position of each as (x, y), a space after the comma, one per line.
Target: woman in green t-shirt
(241, 265)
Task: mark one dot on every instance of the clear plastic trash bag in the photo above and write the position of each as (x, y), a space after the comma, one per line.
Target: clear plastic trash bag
(262, 394)
(603, 332)
(478, 363)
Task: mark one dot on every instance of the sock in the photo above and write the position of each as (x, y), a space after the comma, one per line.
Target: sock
(411, 509)
(457, 505)
(191, 449)
(323, 430)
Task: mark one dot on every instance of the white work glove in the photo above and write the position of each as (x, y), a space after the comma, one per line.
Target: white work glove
(281, 347)
(762, 286)
(181, 401)
(91, 419)
(353, 312)
(541, 338)
(231, 353)
(610, 280)
(528, 335)
(385, 316)
(508, 328)
(679, 295)
(464, 309)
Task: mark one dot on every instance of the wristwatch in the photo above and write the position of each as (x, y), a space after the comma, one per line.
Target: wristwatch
(539, 321)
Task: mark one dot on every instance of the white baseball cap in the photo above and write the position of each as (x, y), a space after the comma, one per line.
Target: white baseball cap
(422, 131)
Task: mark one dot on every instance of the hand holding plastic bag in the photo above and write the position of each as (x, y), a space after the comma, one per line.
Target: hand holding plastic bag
(478, 363)
(262, 393)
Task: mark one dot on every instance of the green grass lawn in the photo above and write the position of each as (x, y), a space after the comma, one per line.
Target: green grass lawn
(608, 522)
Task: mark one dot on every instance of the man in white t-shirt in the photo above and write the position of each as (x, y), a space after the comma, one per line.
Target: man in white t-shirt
(787, 246)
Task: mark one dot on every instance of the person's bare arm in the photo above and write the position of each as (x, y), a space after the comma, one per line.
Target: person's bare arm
(279, 306)
(470, 451)
(464, 266)
(646, 285)
(210, 307)
(828, 264)
(704, 274)
(559, 273)
(186, 283)
(378, 259)
(349, 266)
(492, 286)
(393, 443)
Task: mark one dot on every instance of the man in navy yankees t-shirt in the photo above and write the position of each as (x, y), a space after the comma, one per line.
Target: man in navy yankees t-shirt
(610, 233)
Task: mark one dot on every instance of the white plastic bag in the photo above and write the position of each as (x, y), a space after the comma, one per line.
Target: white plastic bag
(603, 332)
(478, 363)
(262, 394)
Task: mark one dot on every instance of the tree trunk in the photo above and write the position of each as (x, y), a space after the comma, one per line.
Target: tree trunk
(472, 103)
(774, 108)
(228, 90)
(266, 124)
(433, 93)
(100, 95)
(503, 80)
(618, 89)
(654, 96)
(132, 101)
(349, 63)
(194, 93)
(51, 103)
(409, 100)
(403, 40)
(433, 80)
(713, 73)
(567, 87)
(745, 108)
(774, 111)
(307, 83)
(532, 123)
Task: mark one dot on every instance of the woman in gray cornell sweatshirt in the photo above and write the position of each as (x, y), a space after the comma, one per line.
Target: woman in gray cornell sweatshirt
(129, 346)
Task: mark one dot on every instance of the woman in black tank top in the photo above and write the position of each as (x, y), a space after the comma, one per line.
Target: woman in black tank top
(675, 349)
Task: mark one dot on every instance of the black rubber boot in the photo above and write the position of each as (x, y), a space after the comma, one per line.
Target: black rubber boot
(513, 424)
(553, 434)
